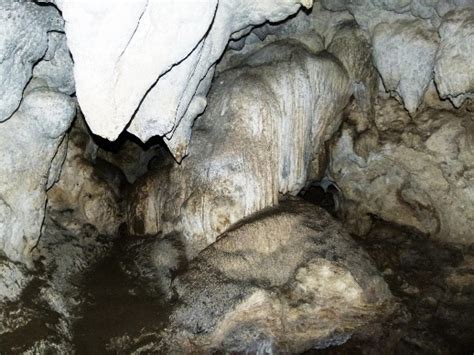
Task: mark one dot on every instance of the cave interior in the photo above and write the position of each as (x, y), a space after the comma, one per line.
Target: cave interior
(232, 176)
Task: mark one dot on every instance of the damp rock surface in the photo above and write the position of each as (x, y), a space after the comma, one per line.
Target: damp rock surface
(38, 314)
(371, 101)
(454, 71)
(288, 280)
(89, 192)
(434, 282)
(105, 294)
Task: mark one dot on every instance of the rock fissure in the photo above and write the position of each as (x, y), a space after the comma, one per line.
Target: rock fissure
(200, 239)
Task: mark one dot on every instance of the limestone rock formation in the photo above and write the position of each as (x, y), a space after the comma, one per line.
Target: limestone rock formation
(37, 307)
(416, 42)
(375, 97)
(454, 71)
(369, 14)
(261, 136)
(88, 191)
(13, 278)
(127, 60)
(56, 68)
(288, 280)
(24, 35)
(404, 54)
(419, 174)
(300, 27)
(29, 141)
(33, 52)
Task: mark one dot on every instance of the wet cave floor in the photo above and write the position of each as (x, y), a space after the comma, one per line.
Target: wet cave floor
(434, 283)
(118, 306)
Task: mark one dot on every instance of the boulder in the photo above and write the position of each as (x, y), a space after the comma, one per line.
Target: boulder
(288, 280)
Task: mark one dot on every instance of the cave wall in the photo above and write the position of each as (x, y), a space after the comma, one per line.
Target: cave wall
(414, 172)
(374, 97)
(268, 122)
(119, 54)
(33, 120)
(421, 52)
(405, 158)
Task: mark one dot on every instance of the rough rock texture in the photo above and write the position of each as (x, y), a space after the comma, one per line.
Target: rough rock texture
(288, 280)
(129, 78)
(434, 280)
(315, 28)
(454, 71)
(29, 142)
(369, 13)
(422, 52)
(32, 143)
(279, 111)
(13, 279)
(418, 174)
(56, 68)
(404, 54)
(127, 60)
(23, 42)
(38, 313)
(89, 191)
(416, 42)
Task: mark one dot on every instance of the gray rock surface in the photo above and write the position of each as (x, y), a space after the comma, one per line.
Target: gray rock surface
(454, 71)
(38, 312)
(314, 29)
(33, 51)
(404, 54)
(418, 174)
(133, 158)
(416, 42)
(29, 141)
(369, 14)
(287, 280)
(23, 42)
(278, 98)
(56, 68)
(13, 279)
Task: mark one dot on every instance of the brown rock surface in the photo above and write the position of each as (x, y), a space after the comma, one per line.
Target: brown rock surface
(287, 280)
